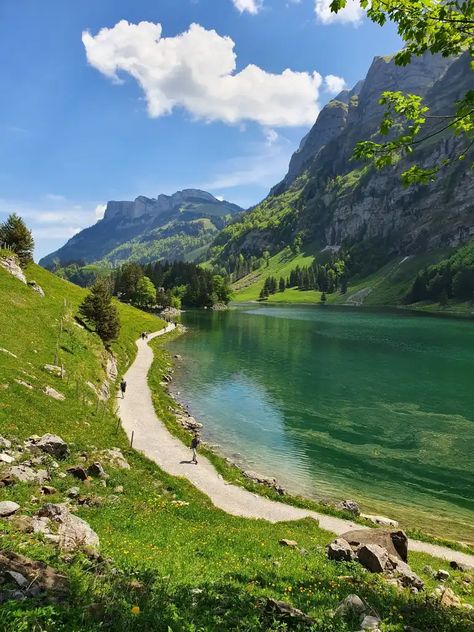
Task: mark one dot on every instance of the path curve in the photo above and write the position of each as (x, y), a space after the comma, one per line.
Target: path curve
(151, 437)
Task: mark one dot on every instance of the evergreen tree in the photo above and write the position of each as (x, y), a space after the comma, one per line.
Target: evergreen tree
(99, 312)
(282, 284)
(15, 235)
(323, 298)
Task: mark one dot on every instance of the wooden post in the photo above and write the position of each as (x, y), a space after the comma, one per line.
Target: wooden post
(131, 440)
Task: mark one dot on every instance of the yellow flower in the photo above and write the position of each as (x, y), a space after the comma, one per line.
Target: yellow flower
(135, 609)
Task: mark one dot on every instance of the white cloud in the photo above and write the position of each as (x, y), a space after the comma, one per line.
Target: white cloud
(196, 70)
(251, 6)
(100, 210)
(351, 14)
(334, 84)
(271, 136)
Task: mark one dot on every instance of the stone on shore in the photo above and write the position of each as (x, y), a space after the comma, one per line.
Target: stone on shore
(382, 521)
(350, 506)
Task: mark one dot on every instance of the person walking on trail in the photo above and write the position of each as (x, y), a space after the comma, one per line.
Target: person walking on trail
(123, 387)
(194, 445)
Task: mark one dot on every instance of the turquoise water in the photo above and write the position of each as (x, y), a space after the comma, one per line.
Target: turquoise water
(342, 403)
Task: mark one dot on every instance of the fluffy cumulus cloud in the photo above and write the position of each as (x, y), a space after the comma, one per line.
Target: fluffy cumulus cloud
(251, 6)
(196, 70)
(351, 14)
(334, 84)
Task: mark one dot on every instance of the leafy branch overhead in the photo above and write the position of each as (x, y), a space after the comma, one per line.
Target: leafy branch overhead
(445, 28)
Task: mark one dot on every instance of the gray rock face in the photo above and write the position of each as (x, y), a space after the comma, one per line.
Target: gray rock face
(373, 557)
(53, 445)
(11, 266)
(340, 550)
(8, 508)
(37, 288)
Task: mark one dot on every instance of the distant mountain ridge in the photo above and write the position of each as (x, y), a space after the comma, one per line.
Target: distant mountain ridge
(146, 229)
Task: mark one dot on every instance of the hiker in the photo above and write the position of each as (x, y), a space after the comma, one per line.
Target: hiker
(123, 387)
(143, 335)
(194, 444)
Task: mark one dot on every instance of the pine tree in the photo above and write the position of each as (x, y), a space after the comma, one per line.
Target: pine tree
(99, 312)
(323, 298)
(282, 284)
(16, 236)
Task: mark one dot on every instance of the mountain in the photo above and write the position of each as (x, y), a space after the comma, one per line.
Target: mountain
(328, 201)
(168, 227)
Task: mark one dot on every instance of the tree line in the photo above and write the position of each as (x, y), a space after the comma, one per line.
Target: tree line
(450, 278)
(169, 284)
(327, 278)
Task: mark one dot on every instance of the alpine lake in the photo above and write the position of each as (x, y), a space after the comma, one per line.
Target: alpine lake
(337, 403)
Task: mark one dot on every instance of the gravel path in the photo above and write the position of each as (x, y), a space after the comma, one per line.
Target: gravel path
(151, 437)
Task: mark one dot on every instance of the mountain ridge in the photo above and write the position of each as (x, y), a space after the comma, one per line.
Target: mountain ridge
(146, 229)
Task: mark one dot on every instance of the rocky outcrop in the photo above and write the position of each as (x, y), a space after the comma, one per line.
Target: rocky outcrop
(10, 264)
(342, 201)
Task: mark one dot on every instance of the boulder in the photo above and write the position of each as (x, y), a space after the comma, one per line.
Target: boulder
(349, 505)
(52, 392)
(25, 474)
(21, 523)
(10, 264)
(73, 492)
(372, 557)
(8, 508)
(351, 605)
(53, 445)
(78, 472)
(340, 550)
(382, 521)
(96, 470)
(395, 542)
(23, 383)
(73, 532)
(287, 611)
(53, 369)
(292, 544)
(5, 443)
(458, 567)
(442, 575)
(6, 458)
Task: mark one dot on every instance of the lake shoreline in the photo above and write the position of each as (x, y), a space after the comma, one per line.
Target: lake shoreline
(184, 408)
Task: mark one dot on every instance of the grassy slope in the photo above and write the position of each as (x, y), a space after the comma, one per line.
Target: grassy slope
(387, 286)
(170, 549)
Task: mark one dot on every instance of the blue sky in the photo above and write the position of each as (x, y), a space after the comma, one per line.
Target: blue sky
(110, 99)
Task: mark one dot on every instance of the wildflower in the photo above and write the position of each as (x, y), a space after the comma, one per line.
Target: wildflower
(135, 609)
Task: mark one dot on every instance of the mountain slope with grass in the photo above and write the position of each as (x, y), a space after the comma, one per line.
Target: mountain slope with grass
(330, 202)
(168, 559)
